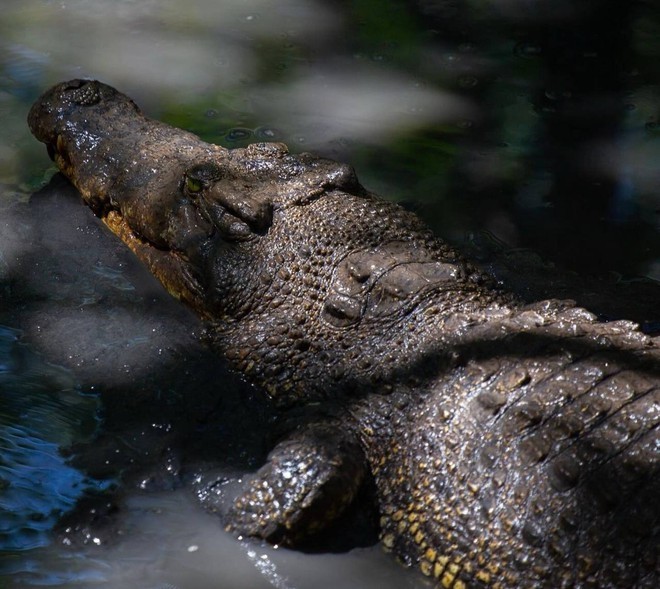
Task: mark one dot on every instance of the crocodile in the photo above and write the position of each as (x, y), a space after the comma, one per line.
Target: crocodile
(508, 444)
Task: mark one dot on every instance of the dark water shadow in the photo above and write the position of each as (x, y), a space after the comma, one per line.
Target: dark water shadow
(575, 197)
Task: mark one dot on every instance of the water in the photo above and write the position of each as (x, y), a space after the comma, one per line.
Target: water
(40, 412)
(540, 126)
(199, 554)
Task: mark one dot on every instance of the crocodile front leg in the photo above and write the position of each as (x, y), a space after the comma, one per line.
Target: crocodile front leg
(308, 481)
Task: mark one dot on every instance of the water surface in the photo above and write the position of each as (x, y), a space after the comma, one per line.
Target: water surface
(536, 122)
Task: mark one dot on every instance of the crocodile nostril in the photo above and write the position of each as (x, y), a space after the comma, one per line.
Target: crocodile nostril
(84, 92)
(75, 84)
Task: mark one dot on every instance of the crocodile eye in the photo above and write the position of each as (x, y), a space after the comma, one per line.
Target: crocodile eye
(201, 176)
(193, 185)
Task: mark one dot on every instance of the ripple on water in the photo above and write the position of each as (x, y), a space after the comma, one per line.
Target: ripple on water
(41, 412)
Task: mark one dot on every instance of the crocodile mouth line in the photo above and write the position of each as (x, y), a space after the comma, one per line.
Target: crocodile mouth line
(116, 222)
(58, 154)
(163, 262)
(171, 267)
(103, 208)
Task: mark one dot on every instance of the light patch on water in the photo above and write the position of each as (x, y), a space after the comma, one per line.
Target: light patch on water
(150, 46)
(153, 552)
(363, 103)
(173, 52)
(293, 19)
(264, 564)
(114, 276)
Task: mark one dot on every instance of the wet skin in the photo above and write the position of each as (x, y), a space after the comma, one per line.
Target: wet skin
(509, 445)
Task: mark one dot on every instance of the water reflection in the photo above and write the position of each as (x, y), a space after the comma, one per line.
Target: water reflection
(41, 412)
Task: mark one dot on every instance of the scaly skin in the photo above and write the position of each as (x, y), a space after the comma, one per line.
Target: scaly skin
(509, 445)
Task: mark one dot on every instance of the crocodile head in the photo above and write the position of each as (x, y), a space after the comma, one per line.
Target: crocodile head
(304, 275)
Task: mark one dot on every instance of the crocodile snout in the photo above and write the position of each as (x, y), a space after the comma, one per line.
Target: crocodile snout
(49, 111)
(66, 104)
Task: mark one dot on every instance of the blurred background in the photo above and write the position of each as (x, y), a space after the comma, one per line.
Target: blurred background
(533, 123)
(536, 121)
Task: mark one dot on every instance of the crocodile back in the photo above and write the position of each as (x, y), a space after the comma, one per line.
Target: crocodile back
(534, 462)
